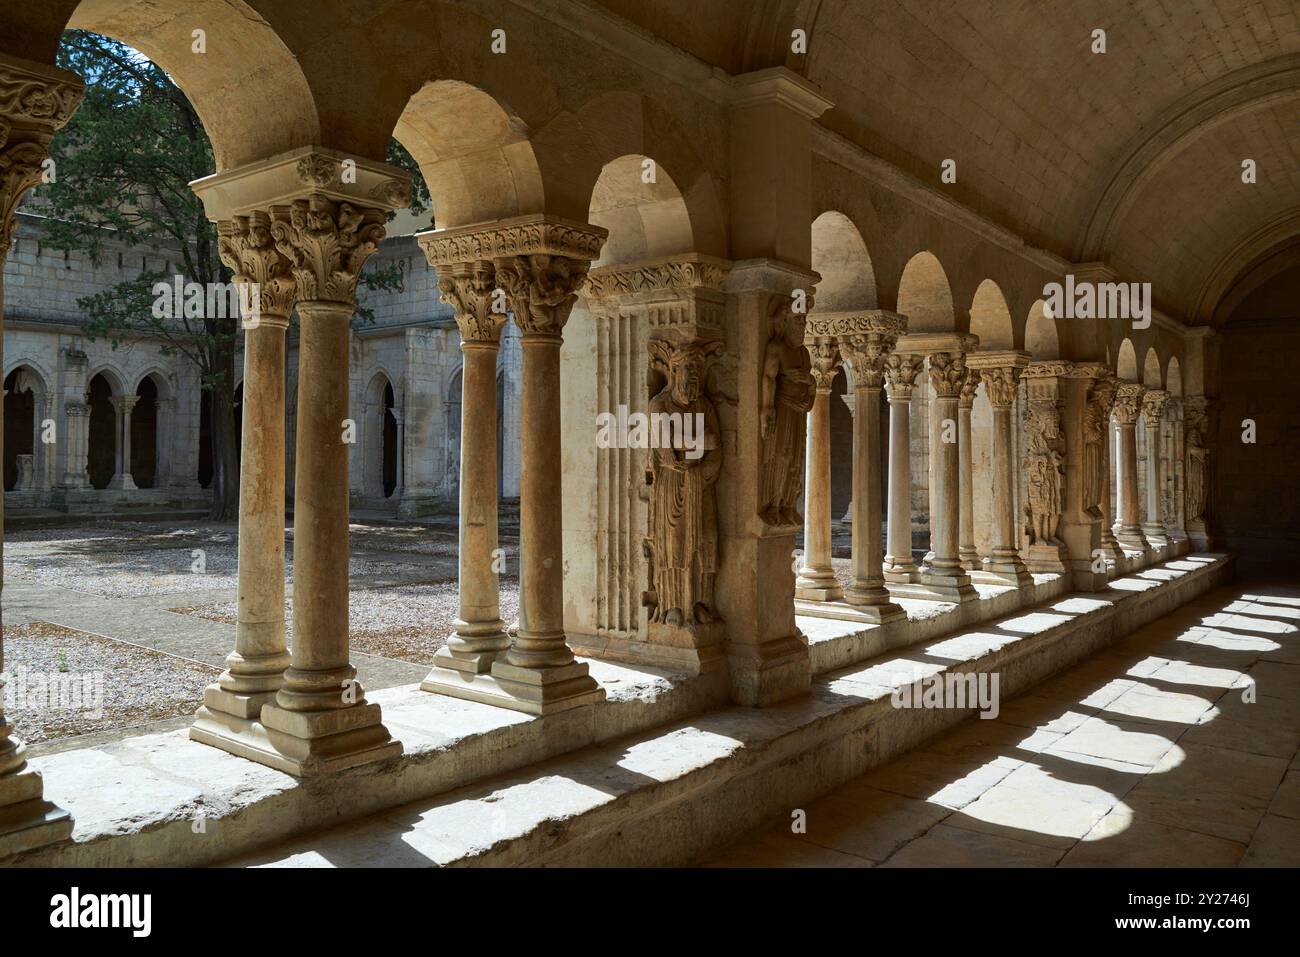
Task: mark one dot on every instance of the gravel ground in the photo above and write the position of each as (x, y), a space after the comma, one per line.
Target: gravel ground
(408, 622)
(101, 684)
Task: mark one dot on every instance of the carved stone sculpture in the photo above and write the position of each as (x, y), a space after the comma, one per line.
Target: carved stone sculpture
(1096, 419)
(1045, 468)
(788, 394)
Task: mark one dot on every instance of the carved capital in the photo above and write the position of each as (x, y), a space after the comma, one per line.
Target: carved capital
(542, 290)
(947, 373)
(328, 243)
(900, 375)
(866, 340)
(1153, 407)
(124, 403)
(1001, 384)
(36, 96)
(20, 170)
(471, 290)
(249, 250)
(825, 355)
(969, 386)
(1128, 403)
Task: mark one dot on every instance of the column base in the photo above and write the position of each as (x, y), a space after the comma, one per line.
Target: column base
(1156, 535)
(1131, 539)
(953, 586)
(535, 691)
(124, 483)
(818, 587)
(696, 649)
(970, 559)
(1111, 547)
(872, 603)
(27, 820)
(304, 743)
(902, 573)
(1044, 558)
(1009, 570)
(769, 673)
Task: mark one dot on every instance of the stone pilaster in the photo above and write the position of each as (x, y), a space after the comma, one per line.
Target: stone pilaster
(659, 338)
(816, 578)
(35, 101)
(1000, 372)
(1197, 410)
(1127, 408)
(1045, 465)
(320, 720)
(1089, 393)
(232, 706)
(966, 553)
(900, 380)
(1153, 410)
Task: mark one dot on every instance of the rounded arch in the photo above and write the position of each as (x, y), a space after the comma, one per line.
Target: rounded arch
(925, 296)
(1174, 377)
(1041, 338)
(473, 152)
(643, 210)
(111, 374)
(379, 436)
(1126, 363)
(162, 381)
(1151, 369)
(840, 257)
(990, 318)
(244, 69)
(27, 402)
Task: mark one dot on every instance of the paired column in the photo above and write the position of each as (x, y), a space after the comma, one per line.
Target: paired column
(44, 100)
(900, 378)
(816, 579)
(1000, 372)
(966, 553)
(479, 636)
(865, 344)
(1153, 410)
(122, 405)
(1128, 406)
(232, 706)
(539, 264)
(945, 578)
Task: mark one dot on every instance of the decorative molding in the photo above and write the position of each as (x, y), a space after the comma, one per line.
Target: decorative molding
(36, 95)
(676, 275)
(532, 235)
(875, 321)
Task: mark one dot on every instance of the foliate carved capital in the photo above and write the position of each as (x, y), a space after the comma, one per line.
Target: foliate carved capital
(328, 243)
(249, 250)
(20, 170)
(1001, 384)
(36, 96)
(947, 373)
(1153, 407)
(1128, 403)
(825, 355)
(123, 403)
(969, 386)
(1101, 398)
(900, 375)
(866, 340)
(542, 289)
(471, 290)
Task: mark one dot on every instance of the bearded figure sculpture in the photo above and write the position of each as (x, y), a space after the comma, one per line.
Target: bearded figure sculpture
(788, 394)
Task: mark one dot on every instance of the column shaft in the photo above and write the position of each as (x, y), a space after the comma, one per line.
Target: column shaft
(816, 581)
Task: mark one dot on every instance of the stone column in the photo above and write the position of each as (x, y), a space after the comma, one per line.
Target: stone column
(1109, 544)
(479, 636)
(1128, 405)
(848, 400)
(1000, 372)
(1153, 410)
(35, 100)
(865, 342)
(900, 378)
(966, 553)
(816, 579)
(232, 706)
(399, 431)
(122, 405)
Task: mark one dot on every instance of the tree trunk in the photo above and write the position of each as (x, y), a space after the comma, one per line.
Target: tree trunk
(225, 446)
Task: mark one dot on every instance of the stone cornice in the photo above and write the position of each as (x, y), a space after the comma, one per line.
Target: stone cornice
(530, 235)
(930, 343)
(1048, 369)
(769, 275)
(781, 86)
(998, 359)
(303, 173)
(651, 279)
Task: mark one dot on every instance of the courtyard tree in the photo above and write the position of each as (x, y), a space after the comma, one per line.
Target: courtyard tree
(120, 175)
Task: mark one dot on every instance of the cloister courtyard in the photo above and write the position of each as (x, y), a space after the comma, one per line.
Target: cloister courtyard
(644, 433)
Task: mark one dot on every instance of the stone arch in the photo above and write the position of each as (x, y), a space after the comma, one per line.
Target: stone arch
(1126, 367)
(645, 220)
(1151, 377)
(248, 89)
(1174, 376)
(102, 387)
(27, 403)
(151, 428)
(925, 295)
(990, 318)
(841, 258)
(473, 152)
(379, 437)
(1041, 333)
